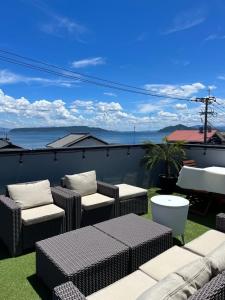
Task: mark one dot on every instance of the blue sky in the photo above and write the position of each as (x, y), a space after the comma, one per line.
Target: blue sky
(168, 47)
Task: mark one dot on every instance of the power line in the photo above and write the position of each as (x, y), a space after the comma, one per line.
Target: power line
(70, 71)
(220, 107)
(82, 78)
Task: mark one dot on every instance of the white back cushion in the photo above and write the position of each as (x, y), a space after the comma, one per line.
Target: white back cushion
(83, 183)
(181, 284)
(172, 287)
(217, 259)
(29, 195)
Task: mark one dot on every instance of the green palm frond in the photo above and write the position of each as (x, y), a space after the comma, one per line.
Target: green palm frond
(171, 154)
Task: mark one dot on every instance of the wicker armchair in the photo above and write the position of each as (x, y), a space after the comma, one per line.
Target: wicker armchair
(17, 236)
(92, 216)
(213, 290)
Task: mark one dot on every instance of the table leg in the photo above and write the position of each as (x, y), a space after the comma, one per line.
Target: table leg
(182, 238)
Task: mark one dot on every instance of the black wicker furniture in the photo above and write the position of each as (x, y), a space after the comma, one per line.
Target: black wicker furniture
(87, 257)
(145, 239)
(95, 207)
(18, 236)
(132, 199)
(212, 290)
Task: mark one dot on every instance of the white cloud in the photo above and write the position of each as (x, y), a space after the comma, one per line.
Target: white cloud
(221, 77)
(59, 25)
(21, 112)
(186, 20)
(106, 107)
(147, 107)
(8, 77)
(86, 105)
(214, 36)
(83, 63)
(167, 114)
(110, 94)
(43, 112)
(185, 90)
(180, 106)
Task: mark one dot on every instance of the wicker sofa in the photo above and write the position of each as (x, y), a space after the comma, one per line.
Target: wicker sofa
(135, 285)
(19, 234)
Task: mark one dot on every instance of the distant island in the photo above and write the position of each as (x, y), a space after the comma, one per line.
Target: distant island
(176, 127)
(87, 129)
(66, 129)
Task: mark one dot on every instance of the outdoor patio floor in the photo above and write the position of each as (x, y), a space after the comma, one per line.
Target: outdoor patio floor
(17, 275)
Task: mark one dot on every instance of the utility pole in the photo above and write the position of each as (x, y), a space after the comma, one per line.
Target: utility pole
(206, 101)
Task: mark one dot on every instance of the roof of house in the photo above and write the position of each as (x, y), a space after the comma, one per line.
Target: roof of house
(191, 136)
(6, 144)
(71, 139)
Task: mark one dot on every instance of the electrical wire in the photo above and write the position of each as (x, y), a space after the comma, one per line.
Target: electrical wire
(81, 77)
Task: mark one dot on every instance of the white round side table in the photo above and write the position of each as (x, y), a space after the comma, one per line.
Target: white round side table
(170, 211)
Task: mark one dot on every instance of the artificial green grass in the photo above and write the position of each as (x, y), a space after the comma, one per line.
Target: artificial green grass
(17, 275)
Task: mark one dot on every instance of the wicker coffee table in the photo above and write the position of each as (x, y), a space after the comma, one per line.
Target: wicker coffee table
(145, 239)
(87, 257)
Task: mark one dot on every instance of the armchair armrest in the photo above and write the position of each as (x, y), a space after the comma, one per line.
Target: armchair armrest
(67, 291)
(11, 227)
(70, 201)
(220, 222)
(110, 191)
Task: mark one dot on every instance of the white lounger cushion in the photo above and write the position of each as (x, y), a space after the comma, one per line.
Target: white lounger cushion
(83, 183)
(191, 178)
(167, 262)
(209, 179)
(32, 194)
(42, 213)
(127, 288)
(127, 191)
(95, 200)
(206, 243)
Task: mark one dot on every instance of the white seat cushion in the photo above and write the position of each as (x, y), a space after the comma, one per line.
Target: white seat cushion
(167, 262)
(83, 183)
(206, 243)
(127, 288)
(127, 191)
(42, 213)
(32, 194)
(95, 200)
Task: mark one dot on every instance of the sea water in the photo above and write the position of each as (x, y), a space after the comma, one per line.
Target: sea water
(34, 139)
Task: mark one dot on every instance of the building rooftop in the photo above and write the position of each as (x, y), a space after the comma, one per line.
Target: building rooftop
(6, 144)
(72, 139)
(190, 136)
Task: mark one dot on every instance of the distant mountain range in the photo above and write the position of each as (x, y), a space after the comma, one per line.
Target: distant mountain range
(176, 127)
(68, 129)
(169, 129)
(94, 130)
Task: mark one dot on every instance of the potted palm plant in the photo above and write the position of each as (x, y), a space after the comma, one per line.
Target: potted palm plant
(170, 156)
